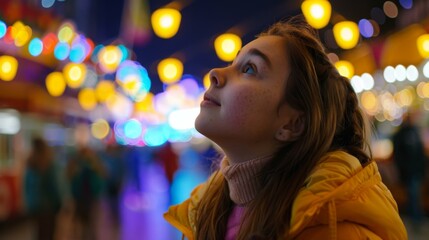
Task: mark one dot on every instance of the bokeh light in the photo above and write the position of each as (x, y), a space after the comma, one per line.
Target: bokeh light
(47, 3)
(400, 73)
(426, 69)
(55, 84)
(104, 90)
(145, 104)
(366, 29)
(133, 79)
(100, 129)
(62, 50)
(8, 67)
(206, 81)
(66, 32)
(390, 9)
(316, 12)
(346, 34)
(412, 73)
(109, 58)
(74, 74)
(3, 29)
(166, 22)
(423, 45)
(170, 70)
(49, 42)
(227, 46)
(389, 74)
(345, 68)
(407, 4)
(190, 85)
(87, 98)
(155, 136)
(356, 83)
(183, 119)
(132, 129)
(35, 47)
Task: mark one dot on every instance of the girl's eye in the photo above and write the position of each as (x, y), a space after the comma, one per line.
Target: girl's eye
(249, 69)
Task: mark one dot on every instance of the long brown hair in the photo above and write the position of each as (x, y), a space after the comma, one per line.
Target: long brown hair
(333, 121)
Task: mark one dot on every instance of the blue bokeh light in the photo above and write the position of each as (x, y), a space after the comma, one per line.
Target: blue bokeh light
(3, 29)
(366, 29)
(132, 129)
(155, 136)
(62, 51)
(77, 53)
(407, 4)
(35, 47)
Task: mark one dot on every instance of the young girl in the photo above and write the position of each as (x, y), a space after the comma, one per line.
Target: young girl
(296, 163)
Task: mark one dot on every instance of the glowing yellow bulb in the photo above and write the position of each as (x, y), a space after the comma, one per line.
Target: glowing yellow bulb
(110, 58)
(345, 68)
(166, 22)
(87, 98)
(423, 45)
(55, 84)
(8, 68)
(23, 36)
(170, 70)
(346, 34)
(146, 104)
(227, 46)
(316, 12)
(104, 90)
(75, 74)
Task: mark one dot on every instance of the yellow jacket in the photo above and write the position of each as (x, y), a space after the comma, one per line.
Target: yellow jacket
(340, 200)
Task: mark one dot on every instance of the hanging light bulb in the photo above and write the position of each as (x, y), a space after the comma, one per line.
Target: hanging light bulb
(170, 70)
(8, 68)
(227, 46)
(75, 74)
(166, 22)
(345, 68)
(55, 84)
(346, 34)
(316, 12)
(423, 45)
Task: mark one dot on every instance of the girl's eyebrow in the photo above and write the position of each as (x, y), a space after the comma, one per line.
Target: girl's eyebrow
(258, 53)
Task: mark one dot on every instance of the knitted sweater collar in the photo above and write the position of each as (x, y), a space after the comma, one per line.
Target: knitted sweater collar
(242, 178)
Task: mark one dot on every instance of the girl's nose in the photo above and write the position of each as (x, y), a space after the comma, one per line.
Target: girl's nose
(216, 77)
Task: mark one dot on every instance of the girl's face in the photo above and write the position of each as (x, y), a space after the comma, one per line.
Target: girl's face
(241, 107)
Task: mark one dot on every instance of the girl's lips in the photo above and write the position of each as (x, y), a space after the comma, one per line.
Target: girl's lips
(209, 100)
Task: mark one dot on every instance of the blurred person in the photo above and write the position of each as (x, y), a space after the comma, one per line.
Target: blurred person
(168, 159)
(41, 189)
(86, 175)
(297, 163)
(113, 160)
(409, 157)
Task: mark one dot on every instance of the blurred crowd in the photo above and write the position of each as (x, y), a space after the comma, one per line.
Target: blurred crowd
(70, 192)
(73, 191)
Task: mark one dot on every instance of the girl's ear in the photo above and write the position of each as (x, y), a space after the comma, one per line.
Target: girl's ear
(292, 130)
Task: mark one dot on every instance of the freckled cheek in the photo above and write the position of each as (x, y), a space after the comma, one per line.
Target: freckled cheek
(243, 108)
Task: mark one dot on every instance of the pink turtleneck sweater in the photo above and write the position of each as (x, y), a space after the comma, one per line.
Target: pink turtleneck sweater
(243, 187)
